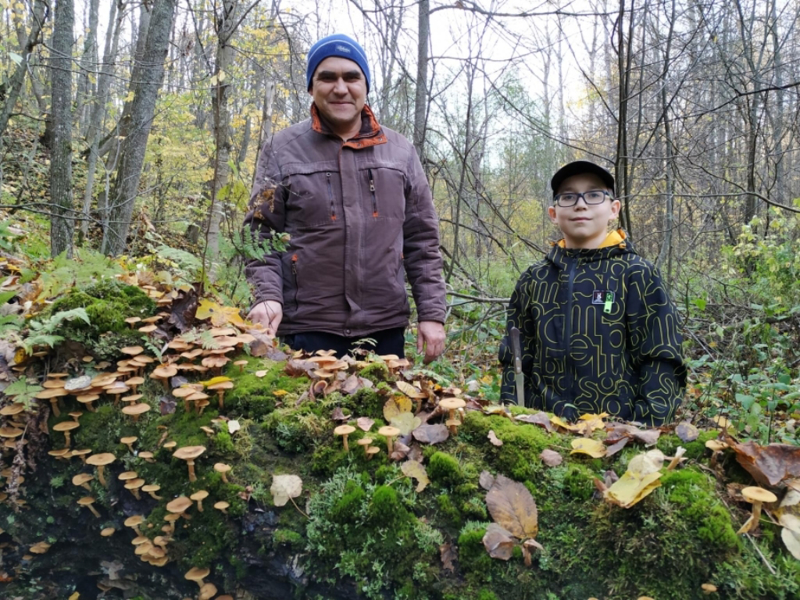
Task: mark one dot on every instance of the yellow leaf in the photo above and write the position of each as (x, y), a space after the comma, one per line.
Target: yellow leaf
(512, 507)
(646, 463)
(396, 405)
(593, 448)
(487, 379)
(406, 422)
(562, 423)
(792, 541)
(630, 489)
(216, 380)
(130, 96)
(414, 469)
(219, 315)
(279, 393)
(75, 596)
(591, 422)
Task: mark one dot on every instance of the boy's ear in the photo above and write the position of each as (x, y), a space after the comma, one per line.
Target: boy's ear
(615, 208)
(551, 211)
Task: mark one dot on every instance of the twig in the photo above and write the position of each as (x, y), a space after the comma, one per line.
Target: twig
(761, 554)
(298, 509)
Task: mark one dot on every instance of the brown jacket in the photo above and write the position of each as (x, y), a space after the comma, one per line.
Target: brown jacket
(357, 212)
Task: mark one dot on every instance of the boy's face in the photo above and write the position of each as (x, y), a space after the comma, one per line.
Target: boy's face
(584, 225)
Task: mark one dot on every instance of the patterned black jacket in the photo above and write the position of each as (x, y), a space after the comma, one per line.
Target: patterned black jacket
(598, 334)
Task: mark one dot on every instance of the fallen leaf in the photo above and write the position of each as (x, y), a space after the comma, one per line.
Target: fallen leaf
(410, 391)
(285, 487)
(792, 542)
(499, 542)
(512, 506)
(166, 406)
(399, 451)
(183, 309)
(540, 418)
(406, 422)
(630, 489)
(216, 380)
(431, 434)
(364, 423)
(300, 368)
(687, 432)
(771, 464)
(260, 374)
(351, 385)
(495, 441)
(486, 480)
(416, 471)
(233, 426)
(587, 423)
(593, 448)
(563, 424)
(447, 554)
(496, 409)
(646, 463)
(219, 315)
(338, 415)
(551, 458)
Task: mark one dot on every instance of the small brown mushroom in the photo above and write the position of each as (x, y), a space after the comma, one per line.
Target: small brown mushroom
(87, 501)
(756, 496)
(222, 506)
(136, 410)
(220, 389)
(65, 427)
(146, 456)
(389, 433)
(452, 405)
(129, 441)
(100, 461)
(241, 364)
(133, 522)
(179, 506)
(163, 373)
(133, 487)
(223, 470)
(716, 448)
(208, 591)
(197, 575)
(134, 382)
(364, 442)
(152, 489)
(189, 454)
(708, 588)
(83, 479)
(198, 497)
(372, 451)
(87, 400)
(53, 395)
(344, 431)
(108, 532)
(76, 415)
(82, 453)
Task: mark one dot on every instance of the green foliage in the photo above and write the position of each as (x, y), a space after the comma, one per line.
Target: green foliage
(23, 392)
(183, 267)
(445, 470)
(42, 331)
(85, 269)
(254, 248)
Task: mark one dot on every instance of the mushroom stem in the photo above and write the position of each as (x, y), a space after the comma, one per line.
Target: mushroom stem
(66, 437)
(54, 404)
(344, 441)
(100, 477)
(224, 478)
(130, 446)
(389, 444)
(192, 476)
(220, 393)
(200, 506)
(155, 497)
(86, 485)
(136, 494)
(94, 510)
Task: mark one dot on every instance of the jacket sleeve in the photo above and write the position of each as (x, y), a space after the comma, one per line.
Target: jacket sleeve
(518, 315)
(655, 344)
(422, 259)
(264, 219)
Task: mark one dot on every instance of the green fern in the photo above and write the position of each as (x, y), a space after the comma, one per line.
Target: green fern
(254, 248)
(67, 273)
(22, 391)
(42, 332)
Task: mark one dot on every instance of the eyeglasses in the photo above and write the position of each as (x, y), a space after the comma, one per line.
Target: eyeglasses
(571, 198)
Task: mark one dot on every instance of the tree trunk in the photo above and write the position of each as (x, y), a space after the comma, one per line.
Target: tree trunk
(61, 221)
(148, 75)
(88, 65)
(421, 95)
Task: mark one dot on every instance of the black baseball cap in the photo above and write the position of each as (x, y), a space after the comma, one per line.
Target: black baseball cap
(576, 168)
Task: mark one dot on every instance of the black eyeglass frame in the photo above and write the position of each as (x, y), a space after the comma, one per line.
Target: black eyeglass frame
(557, 198)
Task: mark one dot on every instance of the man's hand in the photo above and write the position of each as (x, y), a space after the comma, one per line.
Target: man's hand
(269, 314)
(430, 337)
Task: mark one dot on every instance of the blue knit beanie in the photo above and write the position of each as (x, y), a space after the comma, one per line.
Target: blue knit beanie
(337, 44)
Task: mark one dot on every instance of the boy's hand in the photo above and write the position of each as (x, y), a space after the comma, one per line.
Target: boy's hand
(430, 337)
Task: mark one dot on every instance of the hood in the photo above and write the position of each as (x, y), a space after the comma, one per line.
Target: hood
(615, 244)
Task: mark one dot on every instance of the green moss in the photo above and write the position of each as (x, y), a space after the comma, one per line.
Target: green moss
(288, 538)
(445, 470)
(375, 372)
(579, 482)
(475, 563)
(668, 444)
(448, 510)
(255, 397)
(367, 402)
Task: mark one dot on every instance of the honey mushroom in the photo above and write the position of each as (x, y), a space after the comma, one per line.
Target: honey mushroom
(344, 431)
(198, 497)
(179, 506)
(389, 433)
(87, 501)
(220, 389)
(133, 522)
(136, 411)
(65, 427)
(133, 487)
(755, 496)
(83, 479)
(100, 461)
(129, 441)
(222, 506)
(152, 489)
(197, 575)
(223, 470)
(452, 405)
(189, 454)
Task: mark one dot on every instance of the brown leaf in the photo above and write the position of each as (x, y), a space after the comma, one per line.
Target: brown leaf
(614, 448)
(183, 310)
(338, 415)
(364, 423)
(618, 431)
(512, 506)
(448, 555)
(300, 368)
(551, 458)
(769, 465)
(431, 434)
(351, 385)
(399, 451)
(539, 418)
(495, 441)
(416, 453)
(687, 432)
(499, 542)
(486, 480)
(412, 468)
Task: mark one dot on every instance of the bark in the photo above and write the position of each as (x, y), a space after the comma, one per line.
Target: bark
(148, 75)
(88, 65)
(61, 220)
(421, 93)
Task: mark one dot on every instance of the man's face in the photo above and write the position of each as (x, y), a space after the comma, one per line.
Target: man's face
(584, 225)
(339, 89)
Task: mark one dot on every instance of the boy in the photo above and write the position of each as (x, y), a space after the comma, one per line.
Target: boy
(598, 332)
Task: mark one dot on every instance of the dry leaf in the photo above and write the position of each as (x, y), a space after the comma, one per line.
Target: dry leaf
(646, 463)
(410, 391)
(563, 424)
(364, 423)
(233, 426)
(431, 434)
(540, 418)
(406, 422)
(260, 374)
(593, 448)
(769, 465)
(352, 384)
(551, 458)
(496, 409)
(792, 542)
(687, 432)
(396, 405)
(630, 489)
(399, 451)
(494, 439)
(589, 422)
(499, 542)
(220, 315)
(448, 555)
(512, 506)
(285, 487)
(614, 448)
(417, 471)
(486, 480)
(338, 415)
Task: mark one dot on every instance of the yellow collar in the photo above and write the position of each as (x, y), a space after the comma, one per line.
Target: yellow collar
(614, 238)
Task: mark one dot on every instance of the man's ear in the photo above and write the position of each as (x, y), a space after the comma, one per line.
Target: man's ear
(551, 211)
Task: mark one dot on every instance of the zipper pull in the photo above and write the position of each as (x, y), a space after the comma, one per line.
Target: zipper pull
(371, 181)
(294, 264)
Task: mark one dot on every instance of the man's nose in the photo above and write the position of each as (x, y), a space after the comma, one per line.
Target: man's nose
(340, 87)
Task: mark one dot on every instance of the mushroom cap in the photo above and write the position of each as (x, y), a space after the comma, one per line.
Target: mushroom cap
(108, 531)
(132, 398)
(134, 521)
(132, 350)
(197, 574)
(66, 426)
(757, 494)
(179, 505)
(10, 432)
(364, 441)
(222, 468)
(128, 475)
(452, 403)
(189, 452)
(344, 430)
(134, 484)
(82, 478)
(40, 547)
(12, 409)
(199, 495)
(183, 392)
(136, 409)
(86, 500)
(221, 505)
(61, 453)
(151, 487)
(388, 431)
(85, 398)
(373, 450)
(170, 444)
(709, 588)
(134, 381)
(129, 439)
(223, 385)
(197, 396)
(99, 460)
(145, 454)
(148, 328)
(715, 445)
(207, 591)
(52, 393)
(164, 371)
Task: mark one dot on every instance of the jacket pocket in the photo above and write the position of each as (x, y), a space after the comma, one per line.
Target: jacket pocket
(373, 193)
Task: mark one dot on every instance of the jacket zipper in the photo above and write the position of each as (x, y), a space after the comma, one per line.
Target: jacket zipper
(330, 197)
(568, 331)
(294, 276)
(374, 196)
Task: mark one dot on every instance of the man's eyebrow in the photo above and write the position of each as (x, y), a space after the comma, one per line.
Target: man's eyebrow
(353, 73)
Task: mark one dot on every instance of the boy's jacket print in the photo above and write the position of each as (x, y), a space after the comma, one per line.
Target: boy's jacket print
(598, 334)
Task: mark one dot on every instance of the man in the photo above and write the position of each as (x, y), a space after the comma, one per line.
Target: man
(598, 330)
(355, 203)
